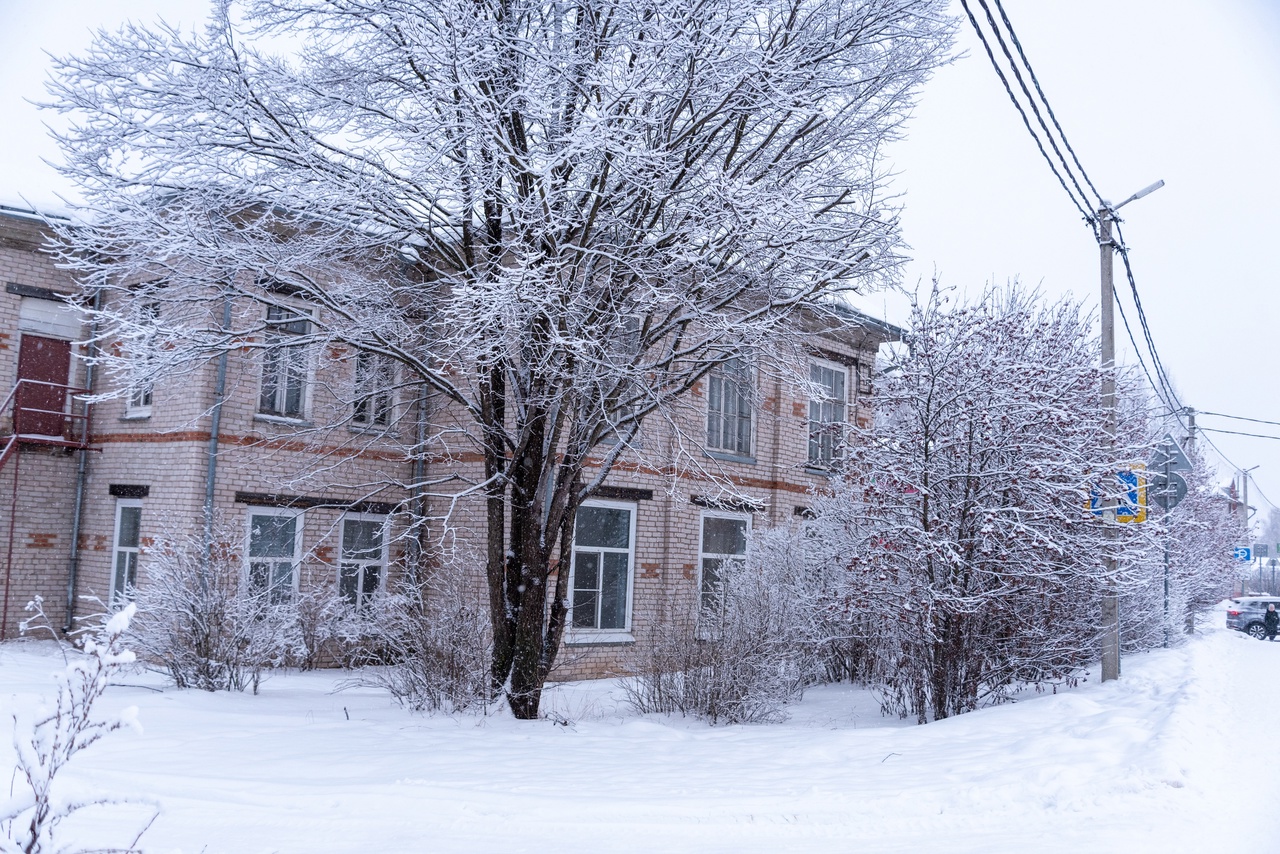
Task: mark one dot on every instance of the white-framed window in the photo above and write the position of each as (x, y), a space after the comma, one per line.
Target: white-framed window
(723, 542)
(362, 559)
(124, 550)
(374, 398)
(603, 555)
(624, 349)
(274, 552)
(827, 412)
(729, 402)
(137, 403)
(286, 362)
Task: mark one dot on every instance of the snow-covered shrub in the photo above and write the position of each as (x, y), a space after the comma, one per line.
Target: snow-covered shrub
(959, 533)
(46, 739)
(429, 646)
(744, 651)
(198, 621)
(330, 628)
(1190, 550)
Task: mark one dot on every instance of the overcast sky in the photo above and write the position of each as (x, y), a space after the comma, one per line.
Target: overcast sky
(1187, 91)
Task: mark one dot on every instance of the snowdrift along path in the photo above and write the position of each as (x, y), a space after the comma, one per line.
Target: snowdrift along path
(1168, 759)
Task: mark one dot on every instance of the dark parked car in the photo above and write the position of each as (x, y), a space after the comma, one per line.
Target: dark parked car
(1245, 614)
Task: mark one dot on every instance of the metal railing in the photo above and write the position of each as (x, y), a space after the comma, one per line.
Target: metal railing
(67, 418)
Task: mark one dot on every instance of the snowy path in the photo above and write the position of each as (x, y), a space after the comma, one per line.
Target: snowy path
(1151, 763)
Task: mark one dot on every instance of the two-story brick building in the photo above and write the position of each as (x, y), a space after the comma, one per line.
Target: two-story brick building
(287, 445)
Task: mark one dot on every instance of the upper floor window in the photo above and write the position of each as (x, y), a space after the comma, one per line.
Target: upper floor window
(603, 550)
(623, 389)
(285, 361)
(374, 390)
(137, 403)
(361, 568)
(827, 412)
(729, 400)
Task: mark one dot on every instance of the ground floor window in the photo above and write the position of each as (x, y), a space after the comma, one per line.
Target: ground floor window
(724, 540)
(603, 554)
(124, 563)
(275, 540)
(363, 558)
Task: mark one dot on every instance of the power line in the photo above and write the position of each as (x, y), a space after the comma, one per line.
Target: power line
(1137, 352)
(1236, 432)
(1261, 494)
(1088, 217)
(1161, 374)
(1235, 467)
(1238, 418)
(1031, 100)
(1016, 43)
(1157, 376)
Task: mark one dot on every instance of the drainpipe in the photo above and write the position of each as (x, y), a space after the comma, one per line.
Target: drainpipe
(418, 487)
(219, 395)
(82, 471)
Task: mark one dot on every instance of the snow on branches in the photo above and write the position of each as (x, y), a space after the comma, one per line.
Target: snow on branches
(552, 218)
(47, 739)
(969, 554)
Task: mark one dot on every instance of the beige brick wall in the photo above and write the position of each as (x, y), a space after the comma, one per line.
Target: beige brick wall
(321, 456)
(35, 528)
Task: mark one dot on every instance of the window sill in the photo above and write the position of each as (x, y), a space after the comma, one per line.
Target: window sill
(587, 637)
(136, 416)
(820, 471)
(373, 430)
(731, 458)
(281, 419)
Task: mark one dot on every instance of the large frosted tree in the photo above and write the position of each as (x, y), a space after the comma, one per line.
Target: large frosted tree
(554, 216)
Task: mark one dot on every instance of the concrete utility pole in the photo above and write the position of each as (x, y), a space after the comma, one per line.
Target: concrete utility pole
(1110, 596)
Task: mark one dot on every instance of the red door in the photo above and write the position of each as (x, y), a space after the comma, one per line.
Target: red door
(38, 409)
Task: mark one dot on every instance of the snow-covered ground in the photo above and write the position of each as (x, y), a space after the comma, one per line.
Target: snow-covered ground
(1177, 756)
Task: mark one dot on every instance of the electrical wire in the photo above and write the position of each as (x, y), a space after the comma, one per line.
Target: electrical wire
(1238, 418)
(1088, 217)
(1236, 432)
(1031, 99)
(1154, 387)
(1035, 80)
(1157, 375)
(1161, 374)
(1230, 463)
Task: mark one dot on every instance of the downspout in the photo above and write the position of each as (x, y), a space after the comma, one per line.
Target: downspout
(219, 395)
(82, 470)
(419, 488)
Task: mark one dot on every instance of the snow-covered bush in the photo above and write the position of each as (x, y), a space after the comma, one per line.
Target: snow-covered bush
(46, 739)
(330, 628)
(198, 621)
(428, 646)
(968, 560)
(1190, 550)
(743, 652)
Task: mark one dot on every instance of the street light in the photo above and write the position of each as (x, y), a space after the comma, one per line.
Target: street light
(1110, 596)
(1145, 191)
